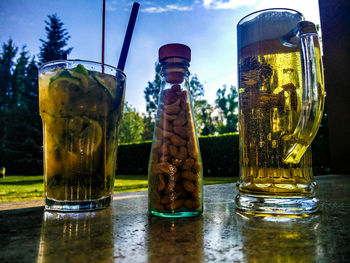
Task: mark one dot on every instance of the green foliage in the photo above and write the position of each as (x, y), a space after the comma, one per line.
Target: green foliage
(149, 127)
(20, 123)
(132, 126)
(203, 113)
(133, 158)
(196, 88)
(228, 106)
(152, 91)
(220, 155)
(57, 37)
(20, 139)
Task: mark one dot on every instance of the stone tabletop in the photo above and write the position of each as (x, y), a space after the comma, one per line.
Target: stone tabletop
(126, 233)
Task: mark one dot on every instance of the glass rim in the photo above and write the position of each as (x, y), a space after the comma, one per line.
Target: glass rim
(267, 10)
(81, 60)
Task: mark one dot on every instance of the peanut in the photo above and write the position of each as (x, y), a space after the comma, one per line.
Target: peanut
(191, 204)
(189, 175)
(175, 205)
(188, 185)
(177, 140)
(160, 133)
(170, 187)
(165, 148)
(161, 183)
(188, 163)
(180, 120)
(177, 162)
(191, 148)
(180, 191)
(169, 117)
(196, 167)
(169, 97)
(182, 154)
(182, 131)
(159, 207)
(164, 168)
(157, 144)
(164, 124)
(166, 200)
(172, 108)
(164, 158)
(173, 150)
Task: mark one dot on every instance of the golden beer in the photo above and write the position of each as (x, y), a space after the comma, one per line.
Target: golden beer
(275, 135)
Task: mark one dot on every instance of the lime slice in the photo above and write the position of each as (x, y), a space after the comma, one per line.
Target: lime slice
(63, 80)
(82, 74)
(83, 129)
(101, 82)
(81, 70)
(94, 132)
(83, 79)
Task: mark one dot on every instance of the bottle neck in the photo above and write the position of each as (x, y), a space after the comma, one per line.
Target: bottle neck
(174, 70)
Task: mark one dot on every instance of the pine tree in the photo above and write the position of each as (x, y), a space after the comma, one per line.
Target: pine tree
(57, 37)
(21, 136)
(7, 56)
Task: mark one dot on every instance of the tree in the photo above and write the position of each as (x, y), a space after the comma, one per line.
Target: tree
(8, 54)
(57, 37)
(228, 106)
(21, 136)
(152, 91)
(132, 126)
(203, 114)
(148, 121)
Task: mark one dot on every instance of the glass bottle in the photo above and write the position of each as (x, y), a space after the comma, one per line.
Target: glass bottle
(175, 173)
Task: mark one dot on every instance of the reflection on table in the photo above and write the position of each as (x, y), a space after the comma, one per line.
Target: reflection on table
(76, 237)
(278, 239)
(175, 240)
(126, 233)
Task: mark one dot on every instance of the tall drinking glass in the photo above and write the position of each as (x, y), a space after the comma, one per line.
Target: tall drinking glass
(281, 99)
(81, 105)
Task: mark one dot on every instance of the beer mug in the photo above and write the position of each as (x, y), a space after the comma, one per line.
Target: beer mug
(281, 100)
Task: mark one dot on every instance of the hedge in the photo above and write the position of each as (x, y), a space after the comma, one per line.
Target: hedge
(220, 156)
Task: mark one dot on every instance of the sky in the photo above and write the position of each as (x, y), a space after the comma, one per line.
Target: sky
(208, 27)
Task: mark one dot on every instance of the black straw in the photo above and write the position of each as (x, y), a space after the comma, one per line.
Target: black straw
(128, 35)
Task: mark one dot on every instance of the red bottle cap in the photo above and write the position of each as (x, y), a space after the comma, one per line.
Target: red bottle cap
(174, 50)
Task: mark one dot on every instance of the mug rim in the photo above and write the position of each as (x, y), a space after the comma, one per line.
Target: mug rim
(267, 10)
(80, 60)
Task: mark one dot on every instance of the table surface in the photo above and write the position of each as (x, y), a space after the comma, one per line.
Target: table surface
(126, 233)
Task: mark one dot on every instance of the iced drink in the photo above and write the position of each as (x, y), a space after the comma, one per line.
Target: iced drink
(81, 107)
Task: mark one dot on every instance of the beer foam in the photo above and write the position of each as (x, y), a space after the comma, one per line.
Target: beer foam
(266, 26)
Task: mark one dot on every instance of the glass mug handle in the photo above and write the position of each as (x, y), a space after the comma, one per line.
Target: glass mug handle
(312, 103)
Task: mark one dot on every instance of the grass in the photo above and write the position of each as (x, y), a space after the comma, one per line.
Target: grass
(23, 188)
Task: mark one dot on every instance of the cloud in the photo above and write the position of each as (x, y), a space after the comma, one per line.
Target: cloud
(230, 4)
(167, 8)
